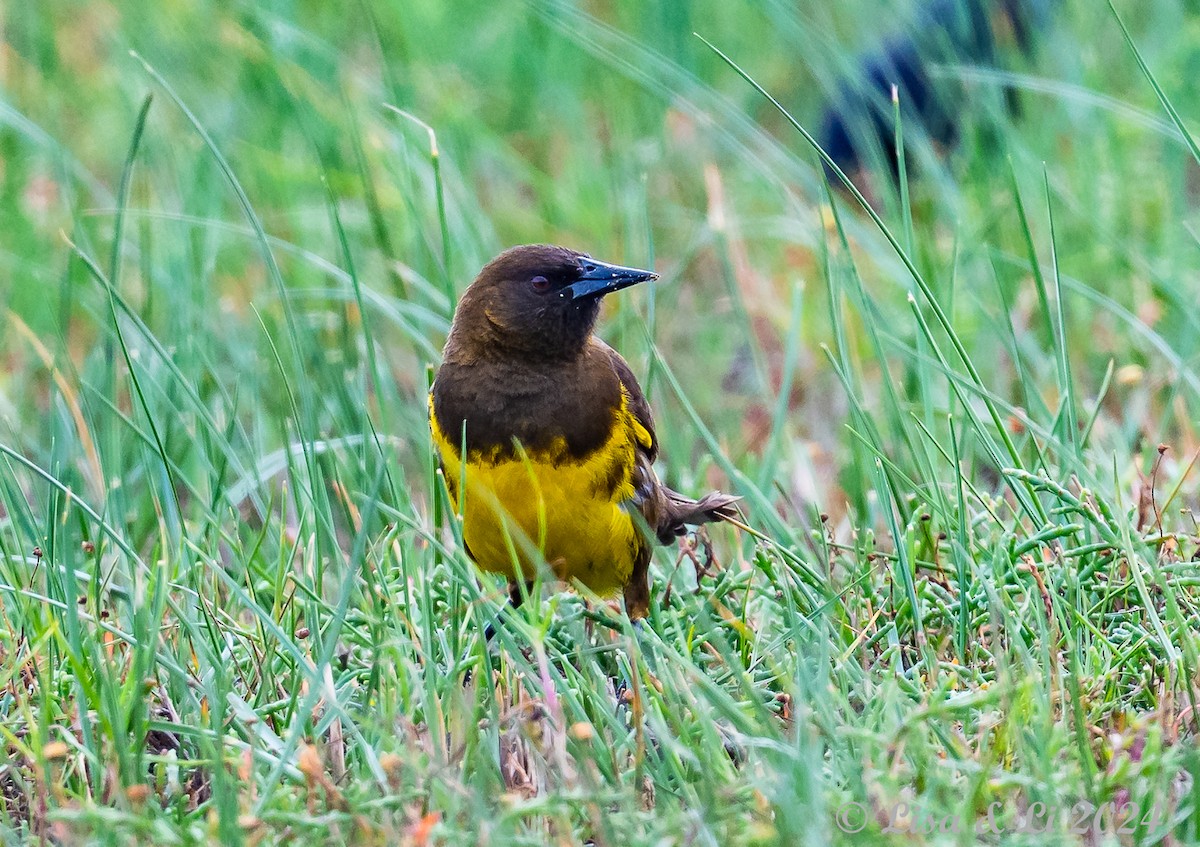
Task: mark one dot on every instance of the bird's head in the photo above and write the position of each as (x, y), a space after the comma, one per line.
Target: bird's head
(538, 300)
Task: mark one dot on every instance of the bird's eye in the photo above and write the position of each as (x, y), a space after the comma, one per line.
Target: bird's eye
(540, 284)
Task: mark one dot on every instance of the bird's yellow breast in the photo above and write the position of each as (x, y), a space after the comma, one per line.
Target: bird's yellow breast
(575, 514)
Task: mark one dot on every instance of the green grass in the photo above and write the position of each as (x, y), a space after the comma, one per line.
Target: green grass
(233, 607)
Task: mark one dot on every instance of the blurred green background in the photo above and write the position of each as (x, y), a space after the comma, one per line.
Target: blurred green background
(212, 416)
(610, 128)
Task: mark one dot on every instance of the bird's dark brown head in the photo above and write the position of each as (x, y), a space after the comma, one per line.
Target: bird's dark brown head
(536, 301)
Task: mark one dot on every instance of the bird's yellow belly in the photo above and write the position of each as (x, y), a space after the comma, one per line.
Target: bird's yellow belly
(550, 507)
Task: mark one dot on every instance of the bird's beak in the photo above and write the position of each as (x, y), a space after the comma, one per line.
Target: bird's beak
(600, 278)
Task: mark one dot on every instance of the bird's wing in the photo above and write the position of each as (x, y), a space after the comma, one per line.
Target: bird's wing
(643, 419)
(666, 512)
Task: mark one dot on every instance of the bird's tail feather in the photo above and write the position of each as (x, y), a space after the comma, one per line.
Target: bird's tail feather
(682, 512)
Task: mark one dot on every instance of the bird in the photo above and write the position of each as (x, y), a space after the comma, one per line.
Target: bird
(859, 121)
(544, 437)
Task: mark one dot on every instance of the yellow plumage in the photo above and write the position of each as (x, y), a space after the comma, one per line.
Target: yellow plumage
(548, 506)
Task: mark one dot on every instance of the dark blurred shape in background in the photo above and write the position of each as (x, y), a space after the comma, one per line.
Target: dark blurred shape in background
(858, 126)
